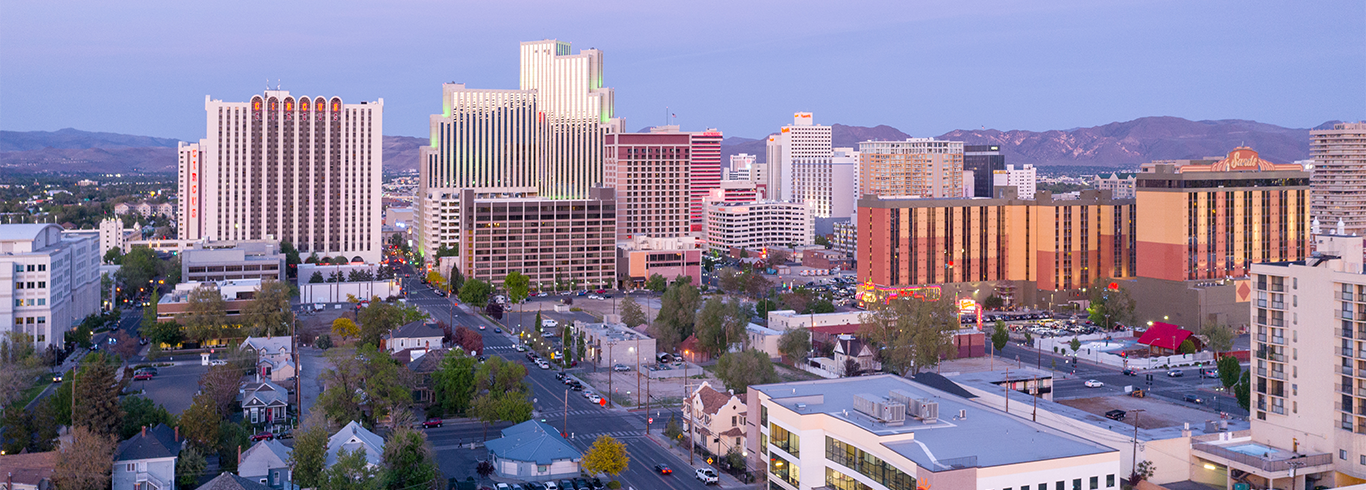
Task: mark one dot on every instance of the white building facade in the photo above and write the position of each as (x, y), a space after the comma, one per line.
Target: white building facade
(1339, 178)
(758, 225)
(280, 167)
(48, 281)
(1024, 179)
(802, 154)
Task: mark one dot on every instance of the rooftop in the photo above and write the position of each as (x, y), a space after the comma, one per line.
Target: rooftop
(532, 440)
(152, 443)
(946, 443)
(610, 332)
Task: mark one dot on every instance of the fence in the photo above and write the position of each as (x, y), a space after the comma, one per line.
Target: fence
(1262, 463)
(1060, 345)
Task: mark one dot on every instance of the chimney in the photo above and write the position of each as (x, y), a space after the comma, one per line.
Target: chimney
(144, 431)
(239, 455)
(177, 433)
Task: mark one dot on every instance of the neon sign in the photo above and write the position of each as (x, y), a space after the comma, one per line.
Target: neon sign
(869, 293)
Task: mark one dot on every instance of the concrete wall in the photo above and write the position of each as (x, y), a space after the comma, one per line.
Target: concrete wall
(335, 292)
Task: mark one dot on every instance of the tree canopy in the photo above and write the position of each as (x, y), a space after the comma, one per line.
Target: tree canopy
(607, 455)
(911, 334)
(720, 324)
(517, 285)
(1109, 305)
(206, 313)
(739, 370)
(476, 292)
(268, 312)
(795, 344)
(678, 308)
(631, 313)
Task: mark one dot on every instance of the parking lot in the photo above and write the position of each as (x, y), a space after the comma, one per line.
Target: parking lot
(174, 386)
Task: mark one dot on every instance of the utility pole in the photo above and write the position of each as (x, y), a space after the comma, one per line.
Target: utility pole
(638, 375)
(1007, 393)
(1134, 459)
(566, 412)
(1035, 416)
(611, 374)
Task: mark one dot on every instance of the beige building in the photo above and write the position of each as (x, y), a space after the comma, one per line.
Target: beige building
(715, 419)
(889, 432)
(921, 167)
(758, 225)
(610, 344)
(555, 242)
(1339, 175)
(1120, 184)
(243, 260)
(1309, 368)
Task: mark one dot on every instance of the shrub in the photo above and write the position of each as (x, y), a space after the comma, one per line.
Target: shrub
(614, 485)
(324, 342)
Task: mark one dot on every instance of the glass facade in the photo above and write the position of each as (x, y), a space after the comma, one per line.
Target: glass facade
(784, 470)
(841, 481)
(867, 465)
(785, 440)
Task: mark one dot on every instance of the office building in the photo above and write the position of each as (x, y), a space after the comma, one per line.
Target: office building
(1339, 175)
(741, 163)
(1308, 397)
(48, 281)
(706, 173)
(1203, 223)
(919, 167)
(243, 260)
(798, 157)
(766, 178)
(651, 175)
(303, 170)
(989, 246)
(237, 295)
(1022, 179)
(890, 432)
(983, 161)
(644, 256)
(734, 192)
(1121, 184)
(758, 225)
(845, 236)
(557, 243)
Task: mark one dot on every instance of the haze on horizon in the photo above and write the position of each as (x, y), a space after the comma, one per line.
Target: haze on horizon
(743, 67)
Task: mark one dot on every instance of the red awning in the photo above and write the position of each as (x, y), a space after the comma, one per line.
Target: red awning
(1164, 335)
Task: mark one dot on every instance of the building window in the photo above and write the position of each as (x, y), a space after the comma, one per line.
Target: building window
(1095, 482)
(785, 440)
(1342, 454)
(1109, 481)
(1076, 484)
(784, 470)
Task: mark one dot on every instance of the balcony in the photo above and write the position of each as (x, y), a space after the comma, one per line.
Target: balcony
(1276, 375)
(1278, 340)
(1347, 370)
(1264, 458)
(1278, 305)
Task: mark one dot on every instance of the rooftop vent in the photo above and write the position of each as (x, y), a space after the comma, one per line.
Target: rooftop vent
(881, 409)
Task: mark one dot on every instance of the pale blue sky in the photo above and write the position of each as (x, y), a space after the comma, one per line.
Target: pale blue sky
(926, 68)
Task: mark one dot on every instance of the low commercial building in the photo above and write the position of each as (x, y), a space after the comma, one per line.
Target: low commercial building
(826, 259)
(890, 432)
(764, 339)
(533, 450)
(48, 281)
(242, 260)
(758, 225)
(610, 344)
(644, 256)
(783, 320)
(236, 295)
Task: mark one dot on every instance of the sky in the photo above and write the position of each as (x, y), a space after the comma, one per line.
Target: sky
(743, 67)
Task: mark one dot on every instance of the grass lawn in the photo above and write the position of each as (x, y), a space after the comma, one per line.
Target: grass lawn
(41, 383)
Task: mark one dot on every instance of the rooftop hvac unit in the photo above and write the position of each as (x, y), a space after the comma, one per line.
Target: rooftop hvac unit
(923, 409)
(881, 409)
(929, 411)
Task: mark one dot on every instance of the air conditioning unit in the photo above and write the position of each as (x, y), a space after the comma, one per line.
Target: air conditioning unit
(881, 409)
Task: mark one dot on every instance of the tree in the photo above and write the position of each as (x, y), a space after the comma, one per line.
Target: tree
(720, 324)
(310, 451)
(476, 292)
(221, 384)
(795, 344)
(484, 468)
(1110, 304)
(139, 412)
(1143, 471)
(851, 367)
(324, 341)
(84, 462)
(114, 256)
(316, 278)
(268, 313)
(502, 393)
(1075, 345)
(377, 320)
(469, 340)
(124, 345)
(777, 257)
(139, 266)
(822, 241)
(453, 383)
(756, 285)
(199, 423)
(149, 313)
(656, 283)
(1000, 336)
(607, 455)
(763, 306)
(739, 370)
(162, 333)
(291, 258)
(1187, 347)
(517, 286)
(18, 432)
(97, 393)
(1229, 371)
(910, 334)
(678, 308)
(1243, 390)
(631, 313)
(436, 280)
(1220, 336)
(363, 385)
(345, 328)
(994, 302)
(189, 466)
(206, 313)
(351, 472)
(538, 326)
(408, 461)
(1028, 338)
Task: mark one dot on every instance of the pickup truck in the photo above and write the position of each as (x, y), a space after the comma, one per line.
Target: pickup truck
(707, 476)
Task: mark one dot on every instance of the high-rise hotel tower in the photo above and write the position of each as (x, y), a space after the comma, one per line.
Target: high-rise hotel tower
(303, 169)
(544, 139)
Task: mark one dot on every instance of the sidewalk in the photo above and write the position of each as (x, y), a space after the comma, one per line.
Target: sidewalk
(726, 480)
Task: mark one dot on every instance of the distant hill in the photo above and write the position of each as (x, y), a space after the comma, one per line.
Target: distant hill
(75, 139)
(401, 153)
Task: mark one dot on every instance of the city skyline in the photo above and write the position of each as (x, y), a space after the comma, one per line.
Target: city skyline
(997, 65)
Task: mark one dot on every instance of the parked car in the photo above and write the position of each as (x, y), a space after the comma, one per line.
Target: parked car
(432, 422)
(1209, 373)
(560, 377)
(143, 376)
(1193, 398)
(708, 476)
(621, 367)
(218, 362)
(1175, 373)
(521, 347)
(263, 436)
(550, 485)
(664, 469)
(595, 399)
(1115, 414)
(1094, 383)
(597, 484)
(549, 323)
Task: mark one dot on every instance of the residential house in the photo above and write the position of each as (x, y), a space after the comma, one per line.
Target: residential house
(264, 402)
(717, 418)
(353, 437)
(274, 359)
(147, 460)
(278, 371)
(28, 471)
(416, 335)
(423, 368)
(229, 481)
(533, 450)
(266, 462)
(849, 347)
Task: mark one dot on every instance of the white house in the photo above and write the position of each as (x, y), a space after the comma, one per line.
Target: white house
(266, 462)
(415, 335)
(147, 460)
(273, 348)
(353, 437)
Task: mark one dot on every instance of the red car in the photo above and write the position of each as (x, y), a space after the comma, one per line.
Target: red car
(429, 423)
(264, 436)
(142, 376)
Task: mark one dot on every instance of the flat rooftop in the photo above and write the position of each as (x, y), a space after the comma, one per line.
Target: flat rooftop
(948, 443)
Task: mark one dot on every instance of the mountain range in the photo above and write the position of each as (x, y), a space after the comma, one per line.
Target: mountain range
(1117, 145)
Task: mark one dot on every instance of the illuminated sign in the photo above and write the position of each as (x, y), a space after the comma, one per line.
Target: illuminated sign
(194, 183)
(967, 305)
(869, 293)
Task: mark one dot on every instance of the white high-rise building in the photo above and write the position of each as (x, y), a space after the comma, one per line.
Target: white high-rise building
(1025, 179)
(306, 170)
(801, 154)
(739, 165)
(758, 225)
(544, 139)
(49, 281)
(1339, 178)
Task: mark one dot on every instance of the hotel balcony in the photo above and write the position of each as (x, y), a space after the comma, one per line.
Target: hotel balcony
(1262, 465)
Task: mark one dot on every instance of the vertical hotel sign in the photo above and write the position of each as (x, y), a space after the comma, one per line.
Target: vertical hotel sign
(194, 184)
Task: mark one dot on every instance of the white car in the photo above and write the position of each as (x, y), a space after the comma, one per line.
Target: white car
(218, 362)
(1094, 383)
(542, 364)
(588, 394)
(595, 398)
(708, 476)
(549, 323)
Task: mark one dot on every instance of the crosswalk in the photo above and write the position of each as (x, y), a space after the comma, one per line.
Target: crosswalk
(619, 434)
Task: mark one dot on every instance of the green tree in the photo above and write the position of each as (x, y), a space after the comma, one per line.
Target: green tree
(911, 335)
(1000, 336)
(189, 466)
(408, 461)
(1220, 336)
(538, 326)
(678, 308)
(316, 278)
(1229, 371)
(351, 472)
(1109, 306)
(97, 393)
(502, 393)
(114, 256)
(139, 412)
(822, 241)
(719, 325)
(1028, 338)
(607, 455)
(84, 461)
(453, 382)
(199, 423)
(1187, 347)
(18, 432)
(795, 344)
(291, 258)
(310, 451)
(1075, 345)
(656, 283)
(476, 293)
(994, 302)
(45, 426)
(517, 285)
(324, 341)
(231, 437)
(149, 313)
(631, 313)
(376, 320)
(740, 370)
(363, 385)
(206, 313)
(268, 313)
(1243, 390)
(138, 269)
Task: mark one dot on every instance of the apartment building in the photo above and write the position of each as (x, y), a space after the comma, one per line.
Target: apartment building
(552, 241)
(1339, 175)
(1022, 179)
(799, 157)
(303, 170)
(49, 281)
(920, 167)
(652, 176)
(1121, 184)
(758, 225)
(890, 432)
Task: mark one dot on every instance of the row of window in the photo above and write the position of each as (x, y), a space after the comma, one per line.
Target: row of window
(31, 302)
(30, 267)
(1093, 484)
(30, 285)
(867, 465)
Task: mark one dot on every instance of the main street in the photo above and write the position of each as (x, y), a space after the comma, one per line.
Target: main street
(554, 404)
